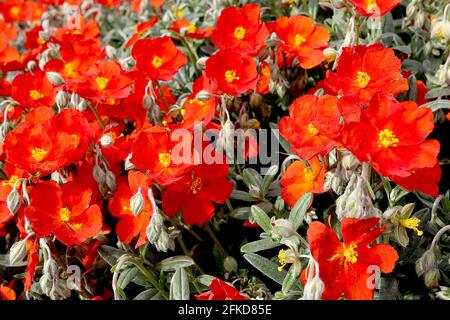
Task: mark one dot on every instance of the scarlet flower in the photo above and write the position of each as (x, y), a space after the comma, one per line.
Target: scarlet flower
(6, 187)
(422, 179)
(141, 29)
(345, 268)
(220, 290)
(264, 79)
(311, 124)
(374, 7)
(7, 292)
(21, 10)
(391, 136)
(158, 58)
(240, 29)
(195, 193)
(233, 72)
(130, 225)
(64, 211)
(43, 142)
(365, 70)
(32, 90)
(302, 39)
(154, 152)
(32, 247)
(8, 53)
(191, 29)
(301, 178)
(105, 81)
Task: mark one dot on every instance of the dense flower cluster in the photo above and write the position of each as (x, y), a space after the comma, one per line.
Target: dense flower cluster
(101, 160)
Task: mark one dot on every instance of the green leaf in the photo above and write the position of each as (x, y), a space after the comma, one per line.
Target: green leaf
(283, 142)
(179, 285)
(261, 218)
(290, 279)
(438, 93)
(252, 178)
(412, 66)
(126, 276)
(242, 196)
(298, 212)
(176, 262)
(267, 267)
(259, 245)
(268, 179)
(147, 294)
(437, 105)
(110, 254)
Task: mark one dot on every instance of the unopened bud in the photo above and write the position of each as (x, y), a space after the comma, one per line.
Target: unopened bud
(313, 289)
(230, 264)
(283, 228)
(203, 95)
(431, 278)
(31, 65)
(75, 100)
(110, 180)
(62, 99)
(111, 52)
(13, 201)
(55, 78)
(82, 106)
(137, 203)
(18, 252)
(106, 140)
(330, 54)
(202, 62)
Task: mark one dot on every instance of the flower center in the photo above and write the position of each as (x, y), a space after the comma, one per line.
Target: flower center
(386, 139)
(313, 130)
(298, 40)
(64, 214)
(362, 79)
(36, 95)
(157, 62)
(38, 154)
(371, 5)
(230, 76)
(239, 32)
(69, 69)
(191, 28)
(11, 182)
(282, 259)
(101, 82)
(350, 255)
(308, 174)
(196, 185)
(14, 11)
(165, 159)
(412, 223)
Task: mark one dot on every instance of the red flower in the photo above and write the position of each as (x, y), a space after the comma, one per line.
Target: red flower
(301, 178)
(374, 7)
(312, 121)
(153, 151)
(141, 29)
(302, 39)
(425, 180)
(32, 247)
(158, 58)
(364, 70)
(6, 187)
(191, 30)
(391, 136)
(43, 143)
(196, 191)
(220, 290)
(241, 30)
(345, 268)
(64, 211)
(105, 81)
(264, 79)
(130, 225)
(233, 72)
(32, 90)
(7, 292)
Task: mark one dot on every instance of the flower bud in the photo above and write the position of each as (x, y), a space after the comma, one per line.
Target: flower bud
(82, 106)
(55, 78)
(432, 278)
(283, 228)
(110, 180)
(313, 289)
(75, 100)
(98, 174)
(13, 201)
(137, 203)
(18, 252)
(230, 264)
(106, 140)
(203, 95)
(31, 65)
(279, 204)
(330, 54)
(426, 262)
(111, 52)
(202, 62)
(62, 99)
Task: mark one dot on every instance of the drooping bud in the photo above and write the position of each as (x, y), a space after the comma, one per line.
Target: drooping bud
(18, 252)
(62, 99)
(230, 264)
(13, 201)
(106, 140)
(137, 203)
(111, 52)
(55, 78)
(203, 95)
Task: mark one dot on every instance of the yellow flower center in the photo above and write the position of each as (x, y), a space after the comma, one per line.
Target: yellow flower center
(362, 79)
(70, 69)
(14, 11)
(157, 62)
(11, 182)
(442, 33)
(313, 130)
(64, 214)
(282, 259)
(165, 159)
(191, 28)
(38, 154)
(36, 95)
(101, 82)
(196, 185)
(371, 5)
(350, 255)
(386, 139)
(308, 174)
(230, 76)
(298, 40)
(412, 223)
(239, 33)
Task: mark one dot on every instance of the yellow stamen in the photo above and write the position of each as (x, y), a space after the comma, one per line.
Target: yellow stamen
(14, 11)
(386, 139)
(165, 159)
(230, 76)
(101, 82)
(308, 174)
(64, 214)
(313, 130)
(362, 79)
(298, 40)
(38, 154)
(157, 62)
(282, 259)
(196, 185)
(412, 223)
(350, 255)
(191, 28)
(36, 95)
(70, 69)
(239, 33)
(11, 182)
(371, 5)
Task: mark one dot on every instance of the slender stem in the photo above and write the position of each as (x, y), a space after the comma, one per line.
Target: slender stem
(161, 93)
(191, 53)
(150, 277)
(97, 115)
(216, 241)
(439, 235)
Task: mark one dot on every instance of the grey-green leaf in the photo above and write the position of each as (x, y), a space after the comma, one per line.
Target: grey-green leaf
(179, 285)
(176, 262)
(261, 218)
(267, 267)
(298, 212)
(259, 245)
